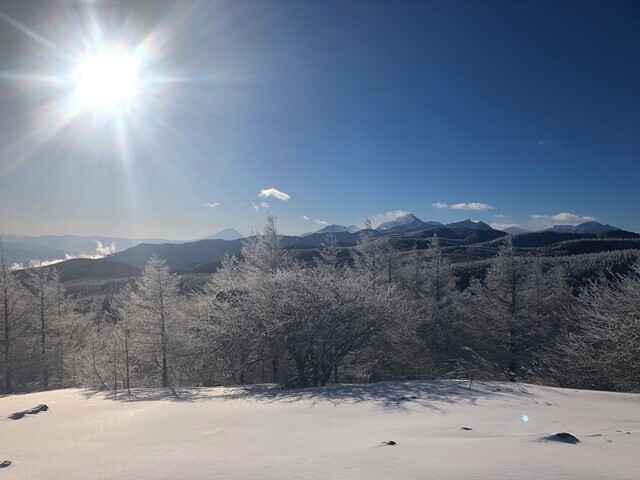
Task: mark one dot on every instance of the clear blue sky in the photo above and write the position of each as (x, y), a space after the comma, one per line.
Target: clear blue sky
(351, 108)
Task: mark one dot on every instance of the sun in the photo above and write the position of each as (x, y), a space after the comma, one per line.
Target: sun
(106, 81)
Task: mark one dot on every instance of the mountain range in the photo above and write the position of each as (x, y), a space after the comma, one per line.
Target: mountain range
(204, 255)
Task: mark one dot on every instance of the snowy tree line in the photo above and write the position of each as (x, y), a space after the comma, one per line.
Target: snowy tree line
(269, 317)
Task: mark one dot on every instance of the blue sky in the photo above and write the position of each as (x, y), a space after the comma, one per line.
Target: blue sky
(504, 110)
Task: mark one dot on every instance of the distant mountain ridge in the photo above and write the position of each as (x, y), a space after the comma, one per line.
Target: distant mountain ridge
(337, 229)
(225, 234)
(587, 227)
(515, 230)
(406, 223)
(468, 223)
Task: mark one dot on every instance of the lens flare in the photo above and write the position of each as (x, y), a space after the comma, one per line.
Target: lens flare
(525, 418)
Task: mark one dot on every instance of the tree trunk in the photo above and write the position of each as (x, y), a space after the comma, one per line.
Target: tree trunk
(43, 342)
(95, 366)
(7, 341)
(274, 369)
(165, 376)
(303, 381)
(8, 387)
(126, 355)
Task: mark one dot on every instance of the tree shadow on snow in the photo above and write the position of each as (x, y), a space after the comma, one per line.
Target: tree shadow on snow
(152, 394)
(400, 396)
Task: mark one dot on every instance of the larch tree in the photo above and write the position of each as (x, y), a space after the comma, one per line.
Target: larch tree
(15, 312)
(155, 315)
(44, 283)
(437, 302)
(500, 306)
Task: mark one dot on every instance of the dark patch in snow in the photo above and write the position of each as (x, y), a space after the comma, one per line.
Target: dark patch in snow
(5, 464)
(32, 411)
(390, 442)
(405, 399)
(466, 428)
(563, 437)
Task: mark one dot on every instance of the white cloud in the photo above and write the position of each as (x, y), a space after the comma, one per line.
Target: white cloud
(321, 222)
(272, 192)
(16, 266)
(565, 217)
(257, 207)
(380, 218)
(474, 206)
(499, 215)
(101, 251)
(35, 263)
(305, 218)
(211, 205)
(502, 226)
(105, 249)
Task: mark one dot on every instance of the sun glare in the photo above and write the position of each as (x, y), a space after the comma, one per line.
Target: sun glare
(107, 81)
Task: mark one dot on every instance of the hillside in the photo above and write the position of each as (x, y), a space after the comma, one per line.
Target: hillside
(335, 432)
(180, 256)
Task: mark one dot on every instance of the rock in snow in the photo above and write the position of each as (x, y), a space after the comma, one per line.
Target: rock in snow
(563, 437)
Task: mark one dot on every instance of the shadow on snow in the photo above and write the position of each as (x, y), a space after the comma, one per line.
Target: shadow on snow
(399, 396)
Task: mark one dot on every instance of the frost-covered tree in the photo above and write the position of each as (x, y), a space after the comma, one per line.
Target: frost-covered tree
(68, 328)
(44, 283)
(374, 257)
(265, 252)
(499, 308)
(600, 343)
(14, 311)
(440, 326)
(155, 317)
(322, 317)
(439, 282)
(230, 337)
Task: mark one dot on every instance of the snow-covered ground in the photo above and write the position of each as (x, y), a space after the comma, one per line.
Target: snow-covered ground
(332, 433)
